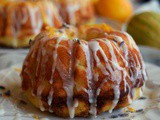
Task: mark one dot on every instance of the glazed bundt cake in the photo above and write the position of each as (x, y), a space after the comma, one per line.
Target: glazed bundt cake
(22, 20)
(87, 72)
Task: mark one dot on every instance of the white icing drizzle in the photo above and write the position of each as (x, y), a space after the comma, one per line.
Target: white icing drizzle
(15, 42)
(86, 50)
(41, 52)
(75, 103)
(90, 90)
(50, 14)
(141, 91)
(67, 76)
(124, 48)
(68, 83)
(36, 25)
(133, 92)
(50, 97)
(39, 94)
(25, 18)
(94, 46)
(43, 61)
(72, 8)
(40, 89)
(129, 98)
(116, 97)
(55, 56)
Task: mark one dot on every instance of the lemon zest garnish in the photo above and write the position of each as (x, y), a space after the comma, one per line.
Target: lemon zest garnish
(18, 69)
(35, 117)
(102, 26)
(131, 109)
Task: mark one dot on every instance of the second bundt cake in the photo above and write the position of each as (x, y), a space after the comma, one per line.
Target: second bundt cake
(21, 20)
(70, 76)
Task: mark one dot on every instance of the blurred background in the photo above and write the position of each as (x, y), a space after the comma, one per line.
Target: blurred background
(21, 20)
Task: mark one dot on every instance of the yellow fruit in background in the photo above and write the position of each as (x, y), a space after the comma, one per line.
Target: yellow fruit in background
(119, 10)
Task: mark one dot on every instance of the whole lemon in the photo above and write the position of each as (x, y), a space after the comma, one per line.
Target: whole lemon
(119, 10)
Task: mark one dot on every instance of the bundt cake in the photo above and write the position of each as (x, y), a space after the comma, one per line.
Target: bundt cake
(83, 72)
(23, 19)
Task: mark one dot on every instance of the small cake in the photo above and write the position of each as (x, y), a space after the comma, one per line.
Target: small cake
(21, 21)
(83, 72)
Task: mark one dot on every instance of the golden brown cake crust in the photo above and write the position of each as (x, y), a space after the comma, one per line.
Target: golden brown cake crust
(74, 77)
